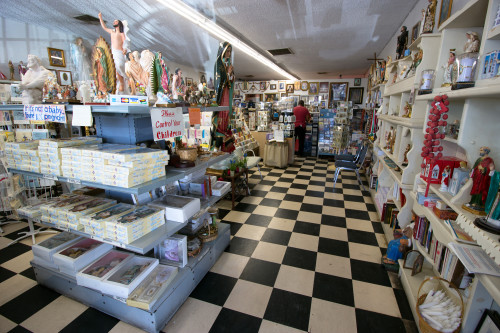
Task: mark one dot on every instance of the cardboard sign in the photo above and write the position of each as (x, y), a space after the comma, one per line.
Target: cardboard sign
(45, 112)
(167, 123)
(194, 116)
(82, 115)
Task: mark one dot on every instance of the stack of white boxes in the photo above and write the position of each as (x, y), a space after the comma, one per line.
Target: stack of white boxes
(95, 224)
(134, 225)
(23, 155)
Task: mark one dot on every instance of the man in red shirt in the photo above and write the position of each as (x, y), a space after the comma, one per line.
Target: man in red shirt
(302, 116)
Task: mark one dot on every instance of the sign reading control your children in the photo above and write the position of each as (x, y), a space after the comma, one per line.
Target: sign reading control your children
(167, 123)
(45, 112)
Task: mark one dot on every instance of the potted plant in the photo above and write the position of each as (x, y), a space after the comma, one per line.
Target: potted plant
(232, 168)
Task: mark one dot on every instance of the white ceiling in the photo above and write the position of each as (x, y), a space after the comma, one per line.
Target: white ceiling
(334, 36)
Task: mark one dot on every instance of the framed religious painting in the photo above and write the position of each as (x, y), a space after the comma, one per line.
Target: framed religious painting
(189, 81)
(290, 88)
(313, 88)
(445, 11)
(272, 86)
(356, 95)
(263, 85)
(56, 57)
(357, 82)
(282, 95)
(323, 87)
(304, 85)
(64, 78)
(337, 92)
(296, 85)
(414, 32)
(281, 86)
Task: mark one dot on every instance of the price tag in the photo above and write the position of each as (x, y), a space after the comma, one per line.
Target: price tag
(74, 181)
(51, 177)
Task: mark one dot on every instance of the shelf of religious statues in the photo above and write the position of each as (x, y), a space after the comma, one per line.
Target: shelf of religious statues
(469, 16)
(494, 33)
(487, 88)
(417, 43)
(403, 121)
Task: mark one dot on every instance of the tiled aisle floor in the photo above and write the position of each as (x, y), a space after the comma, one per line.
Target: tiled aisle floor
(302, 258)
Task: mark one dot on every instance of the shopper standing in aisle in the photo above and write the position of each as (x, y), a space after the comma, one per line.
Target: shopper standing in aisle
(302, 117)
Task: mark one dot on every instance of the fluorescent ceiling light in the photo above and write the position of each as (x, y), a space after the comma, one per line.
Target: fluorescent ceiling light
(203, 22)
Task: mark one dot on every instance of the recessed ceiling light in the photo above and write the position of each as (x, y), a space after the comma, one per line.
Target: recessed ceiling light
(278, 52)
(87, 19)
(322, 73)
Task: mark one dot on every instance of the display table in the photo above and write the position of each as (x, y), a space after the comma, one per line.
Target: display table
(261, 140)
(239, 183)
(276, 154)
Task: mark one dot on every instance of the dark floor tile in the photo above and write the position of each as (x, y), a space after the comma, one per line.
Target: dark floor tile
(214, 288)
(351, 186)
(377, 227)
(234, 226)
(300, 258)
(274, 174)
(333, 203)
(334, 247)
(367, 321)
(357, 214)
(333, 289)
(19, 329)
(316, 194)
(355, 198)
(28, 303)
(371, 207)
(270, 202)
(321, 168)
(336, 190)
(349, 175)
(369, 272)
(259, 220)
(265, 169)
(254, 176)
(276, 236)
(223, 213)
(267, 182)
(410, 326)
(287, 213)
(404, 306)
(303, 177)
(233, 321)
(316, 174)
(311, 208)
(363, 237)
(29, 273)
(291, 172)
(307, 228)
(91, 320)
(279, 189)
(293, 197)
(242, 246)
(260, 271)
(286, 180)
(317, 183)
(257, 193)
(366, 193)
(5, 274)
(289, 309)
(245, 207)
(299, 186)
(322, 162)
(15, 234)
(334, 221)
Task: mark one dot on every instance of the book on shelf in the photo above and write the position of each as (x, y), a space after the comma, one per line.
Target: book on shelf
(458, 233)
(475, 259)
(390, 207)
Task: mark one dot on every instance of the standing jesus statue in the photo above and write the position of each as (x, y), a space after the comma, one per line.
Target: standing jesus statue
(119, 48)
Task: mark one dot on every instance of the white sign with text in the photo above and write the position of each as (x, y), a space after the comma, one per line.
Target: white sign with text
(45, 112)
(167, 123)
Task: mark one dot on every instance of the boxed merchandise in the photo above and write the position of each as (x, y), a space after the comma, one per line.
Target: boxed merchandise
(95, 224)
(173, 250)
(421, 198)
(93, 275)
(438, 168)
(177, 208)
(46, 249)
(73, 216)
(87, 190)
(220, 188)
(79, 255)
(33, 211)
(129, 276)
(134, 224)
(445, 214)
(133, 155)
(154, 285)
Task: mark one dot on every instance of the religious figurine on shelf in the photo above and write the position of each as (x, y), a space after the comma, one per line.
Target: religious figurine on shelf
(393, 141)
(408, 109)
(136, 75)
(387, 72)
(445, 179)
(32, 82)
(11, 70)
(473, 42)
(402, 42)
(119, 48)
(382, 69)
(398, 247)
(222, 136)
(481, 176)
(405, 155)
(81, 60)
(179, 89)
(417, 59)
(430, 14)
(449, 69)
(22, 70)
(453, 129)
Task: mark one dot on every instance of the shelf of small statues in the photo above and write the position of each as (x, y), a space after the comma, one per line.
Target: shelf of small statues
(489, 91)
(403, 121)
(494, 33)
(416, 44)
(404, 85)
(395, 174)
(471, 15)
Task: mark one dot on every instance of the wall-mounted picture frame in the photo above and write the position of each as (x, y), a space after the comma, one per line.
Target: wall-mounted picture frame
(16, 94)
(357, 81)
(271, 97)
(64, 78)
(56, 57)
(356, 95)
(282, 95)
(304, 85)
(296, 85)
(281, 86)
(323, 87)
(489, 322)
(445, 11)
(263, 85)
(189, 81)
(290, 88)
(415, 31)
(272, 86)
(313, 88)
(203, 77)
(337, 92)
(413, 260)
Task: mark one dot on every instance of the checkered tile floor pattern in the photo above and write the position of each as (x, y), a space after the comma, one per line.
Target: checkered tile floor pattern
(303, 258)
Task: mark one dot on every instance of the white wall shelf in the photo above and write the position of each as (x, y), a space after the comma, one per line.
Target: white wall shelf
(407, 122)
(471, 15)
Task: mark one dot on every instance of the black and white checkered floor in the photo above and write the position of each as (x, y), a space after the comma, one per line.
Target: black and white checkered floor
(303, 258)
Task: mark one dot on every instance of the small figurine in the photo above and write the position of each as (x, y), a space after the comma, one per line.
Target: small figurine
(2, 76)
(430, 14)
(387, 73)
(449, 70)
(398, 246)
(481, 176)
(417, 59)
(22, 69)
(393, 141)
(445, 179)
(33, 81)
(178, 87)
(80, 58)
(405, 155)
(402, 42)
(473, 42)
(11, 70)
(408, 109)
(388, 138)
(453, 129)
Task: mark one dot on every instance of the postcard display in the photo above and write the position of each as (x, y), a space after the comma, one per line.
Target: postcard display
(82, 262)
(406, 98)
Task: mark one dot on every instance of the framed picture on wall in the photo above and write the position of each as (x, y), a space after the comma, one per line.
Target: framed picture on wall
(357, 81)
(356, 95)
(64, 78)
(189, 81)
(272, 86)
(281, 86)
(445, 11)
(414, 32)
(263, 85)
(283, 95)
(337, 92)
(296, 85)
(313, 88)
(323, 87)
(290, 88)
(304, 86)
(56, 57)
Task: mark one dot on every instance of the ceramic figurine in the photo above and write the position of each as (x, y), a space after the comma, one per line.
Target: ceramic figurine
(398, 246)
(402, 42)
(178, 88)
(481, 176)
(430, 13)
(22, 69)
(11, 70)
(103, 71)
(445, 179)
(137, 78)
(473, 42)
(119, 47)
(408, 109)
(449, 70)
(147, 61)
(80, 58)
(32, 82)
(387, 73)
(405, 155)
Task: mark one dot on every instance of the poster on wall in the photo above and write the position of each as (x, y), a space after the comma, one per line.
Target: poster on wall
(167, 123)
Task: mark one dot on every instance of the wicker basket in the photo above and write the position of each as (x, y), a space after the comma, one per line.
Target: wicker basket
(188, 154)
(423, 325)
(208, 234)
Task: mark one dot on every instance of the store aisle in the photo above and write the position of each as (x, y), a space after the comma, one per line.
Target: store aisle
(302, 258)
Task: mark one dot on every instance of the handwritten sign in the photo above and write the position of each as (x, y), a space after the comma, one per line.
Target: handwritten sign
(45, 112)
(167, 123)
